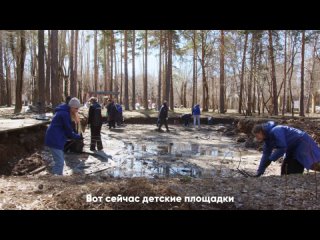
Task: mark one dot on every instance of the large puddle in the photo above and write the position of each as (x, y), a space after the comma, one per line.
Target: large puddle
(140, 151)
(154, 160)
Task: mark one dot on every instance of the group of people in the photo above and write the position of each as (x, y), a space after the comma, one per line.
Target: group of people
(65, 128)
(114, 113)
(297, 149)
(186, 118)
(195, 112)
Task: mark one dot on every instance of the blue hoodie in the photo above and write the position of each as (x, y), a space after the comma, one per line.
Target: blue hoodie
(60, 128)
(284, 140)
(196, 110)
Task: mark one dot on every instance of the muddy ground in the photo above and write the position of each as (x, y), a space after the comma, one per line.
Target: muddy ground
(139, 161)
(70, 192)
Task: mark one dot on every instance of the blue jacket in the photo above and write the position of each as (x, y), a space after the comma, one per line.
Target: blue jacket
(60, 128)
(119, 108)
(196, 110)
(287, 141)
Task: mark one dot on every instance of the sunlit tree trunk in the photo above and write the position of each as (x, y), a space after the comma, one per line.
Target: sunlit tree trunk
(242, 72)
(71, 68)
(54, 69)
(284, 75)
(21, 55)
(2, 81)
(273, 75)
(48, 70)
(133, 70)
(302, 75)
(41, 77)
(169, 66)
(194, 69)
(249, 108)
(222, 88)
(145, 76)
(95, 61)
(159, 82)
(8, 76)
(75, 74)
(126, 80)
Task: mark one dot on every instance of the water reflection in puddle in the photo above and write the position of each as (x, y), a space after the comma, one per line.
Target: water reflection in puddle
(143, 160)
(177, 149)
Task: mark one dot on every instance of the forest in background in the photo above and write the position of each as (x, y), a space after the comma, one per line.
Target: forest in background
(252, 71)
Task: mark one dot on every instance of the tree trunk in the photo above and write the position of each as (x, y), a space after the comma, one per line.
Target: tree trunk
(106, 61)
(34, 70)
(95, 88)
(254, 102)
(126, 80)
(41, 78)
(133, 70)
(165, 68)
(205, 96)
(185, 94)
(212, 90)
(302, 75)
(273, 75)
(75, 64)
(112, 56)
(222, 88)
(284, 75)
(2, 81)
(194, 70)
(71, 68)
(159, 82)
(121, 75)
(21, 55)
(8, 78)
(54, 69)
(312, 92)
(290, 77)
(249, 109)
(63, 75)
(145, 77)
(170, 80)
(48, 71)
(242, 72)
(81, 57)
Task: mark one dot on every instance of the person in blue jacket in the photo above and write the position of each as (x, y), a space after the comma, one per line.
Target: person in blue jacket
(297, 148)
(196, 115)
(119, 114)
(59, 130)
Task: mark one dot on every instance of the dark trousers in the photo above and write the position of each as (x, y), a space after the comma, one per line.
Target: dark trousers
(119, 119)
(96, 138)
(290, 166)
(112, 123)
(163, 121)
(186, 122)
